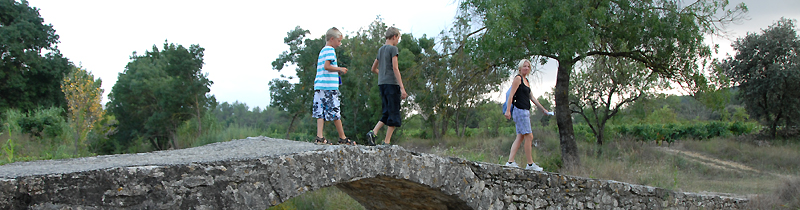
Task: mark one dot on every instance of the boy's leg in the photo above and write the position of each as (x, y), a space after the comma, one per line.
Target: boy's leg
(514, 148)
(389, 132)
(320, 123)
(393, 119)
(338, 124)
(318, 111)
(377, 127)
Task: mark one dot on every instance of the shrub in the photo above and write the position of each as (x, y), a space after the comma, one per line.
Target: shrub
(43, 122)
(672, 131)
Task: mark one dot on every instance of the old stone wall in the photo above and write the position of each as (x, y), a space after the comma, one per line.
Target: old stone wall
(256, 173)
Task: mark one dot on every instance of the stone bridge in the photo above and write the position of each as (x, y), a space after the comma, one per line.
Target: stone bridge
(256, 173)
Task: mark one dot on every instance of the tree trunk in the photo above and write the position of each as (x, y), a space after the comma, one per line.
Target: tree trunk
(599, 134)
(464, 128)
(199, 119)
(291, 124)
(444, 126)
(432, 121)
(457, 126)
(77, 139)
(174, 136)
(569, 149)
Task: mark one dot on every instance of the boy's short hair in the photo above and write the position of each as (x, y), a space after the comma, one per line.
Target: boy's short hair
(333, 33)
(391, 32)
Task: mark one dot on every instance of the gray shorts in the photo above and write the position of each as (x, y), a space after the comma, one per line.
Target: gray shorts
(522, 119)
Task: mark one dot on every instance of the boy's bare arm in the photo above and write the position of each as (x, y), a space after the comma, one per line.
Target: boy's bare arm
(375, 66)
(396, 70)
(329, 67)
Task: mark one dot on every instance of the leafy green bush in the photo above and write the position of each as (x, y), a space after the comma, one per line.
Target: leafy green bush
(674, 131)
(43, 122)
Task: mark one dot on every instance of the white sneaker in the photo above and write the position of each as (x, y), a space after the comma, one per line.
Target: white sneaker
(512, 164)
(534, 167)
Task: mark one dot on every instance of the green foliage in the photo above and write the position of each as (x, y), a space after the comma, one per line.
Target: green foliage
(157, 92)
(767, 71)
(668, 40)
(671, 132)
(84, 96)
(28, 78)
(8, 147)
(361, 102)
(296, 98)
(603, 88)
(42, 123)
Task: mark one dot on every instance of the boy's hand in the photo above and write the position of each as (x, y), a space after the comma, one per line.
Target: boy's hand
(403, 94)
(343, 70)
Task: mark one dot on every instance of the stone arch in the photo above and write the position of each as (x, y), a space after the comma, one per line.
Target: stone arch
(256, 173)
(382, 177)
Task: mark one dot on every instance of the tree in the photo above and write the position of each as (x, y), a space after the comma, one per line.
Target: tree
(296, 98)
(663, 35)
(767, 69)
(360, 85)
(359, 91)
(157, 92)
(83, 96)
(606, 86)
(447, 85)
(29, 79)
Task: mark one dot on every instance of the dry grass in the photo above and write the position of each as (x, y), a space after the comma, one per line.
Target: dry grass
(726, 166)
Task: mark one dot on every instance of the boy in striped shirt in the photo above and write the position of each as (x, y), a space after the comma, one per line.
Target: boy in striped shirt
(326, 88)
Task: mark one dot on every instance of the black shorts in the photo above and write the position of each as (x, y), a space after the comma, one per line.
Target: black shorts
(390, 99)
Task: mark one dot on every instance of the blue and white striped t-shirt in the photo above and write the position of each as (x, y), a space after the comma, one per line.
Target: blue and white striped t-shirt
(326, 80)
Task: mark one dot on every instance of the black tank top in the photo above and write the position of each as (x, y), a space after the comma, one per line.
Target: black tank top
(522, 98)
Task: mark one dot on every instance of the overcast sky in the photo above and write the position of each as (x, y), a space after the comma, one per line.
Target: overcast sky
(242, 38)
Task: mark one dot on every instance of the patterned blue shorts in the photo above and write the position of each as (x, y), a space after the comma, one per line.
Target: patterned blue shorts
(326, 105)
(522, 119)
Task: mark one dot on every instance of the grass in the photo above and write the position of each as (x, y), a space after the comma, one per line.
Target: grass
(24, 147)
(770, 177)
(325, 198)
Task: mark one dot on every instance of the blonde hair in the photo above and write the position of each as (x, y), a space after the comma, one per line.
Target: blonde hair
(391, 32)
(332, 33)
(522, 62)
(535, 73)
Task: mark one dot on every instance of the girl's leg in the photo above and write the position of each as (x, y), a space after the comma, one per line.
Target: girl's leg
(514, 148)
(527, 147)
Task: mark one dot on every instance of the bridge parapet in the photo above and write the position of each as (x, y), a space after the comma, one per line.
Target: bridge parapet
(256, 173)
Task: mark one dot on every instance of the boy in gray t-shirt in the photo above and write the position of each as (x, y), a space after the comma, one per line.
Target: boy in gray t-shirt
(391, 87)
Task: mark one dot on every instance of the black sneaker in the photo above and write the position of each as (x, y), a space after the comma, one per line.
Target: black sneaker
(371, 138)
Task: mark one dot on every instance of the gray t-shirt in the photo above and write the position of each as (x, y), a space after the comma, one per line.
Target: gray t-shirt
(385, 67)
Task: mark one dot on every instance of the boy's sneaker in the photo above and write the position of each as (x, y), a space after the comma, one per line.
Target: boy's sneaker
(512, 164)
(534, 167)
(371, 138)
